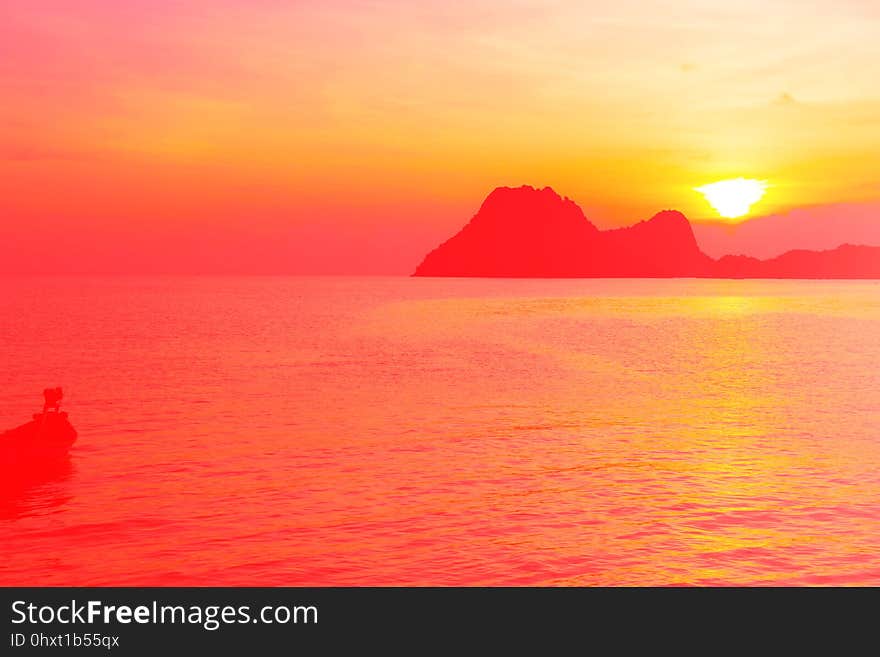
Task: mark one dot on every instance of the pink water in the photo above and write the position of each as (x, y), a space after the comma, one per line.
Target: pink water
(414, 431)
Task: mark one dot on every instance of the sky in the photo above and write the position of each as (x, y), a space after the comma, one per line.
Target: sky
(352, 136)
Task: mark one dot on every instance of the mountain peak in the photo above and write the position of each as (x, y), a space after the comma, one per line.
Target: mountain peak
(525, 201)
(536, 233)
(669, 217)
(674, 224)
(506, 190)
(526, 232)
(518, 231)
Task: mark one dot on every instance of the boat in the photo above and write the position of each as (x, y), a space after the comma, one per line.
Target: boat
(47, 437)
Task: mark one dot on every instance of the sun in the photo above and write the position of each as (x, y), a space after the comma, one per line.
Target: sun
(733, 198)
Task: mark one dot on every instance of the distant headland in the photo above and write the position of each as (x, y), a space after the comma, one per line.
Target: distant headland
(524, 232)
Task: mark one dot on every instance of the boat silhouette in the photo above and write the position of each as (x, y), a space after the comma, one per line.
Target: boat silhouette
(47, 438)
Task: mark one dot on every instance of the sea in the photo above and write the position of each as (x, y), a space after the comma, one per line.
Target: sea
(415, 431)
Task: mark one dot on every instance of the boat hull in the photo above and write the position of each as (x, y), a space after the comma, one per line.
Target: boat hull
(48, 437)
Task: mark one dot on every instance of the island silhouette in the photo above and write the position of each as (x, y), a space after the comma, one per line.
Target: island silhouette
(524, 232)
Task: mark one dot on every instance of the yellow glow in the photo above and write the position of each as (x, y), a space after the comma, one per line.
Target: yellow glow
(733, 198)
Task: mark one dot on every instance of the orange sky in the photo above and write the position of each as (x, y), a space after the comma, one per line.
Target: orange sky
(260, 135)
